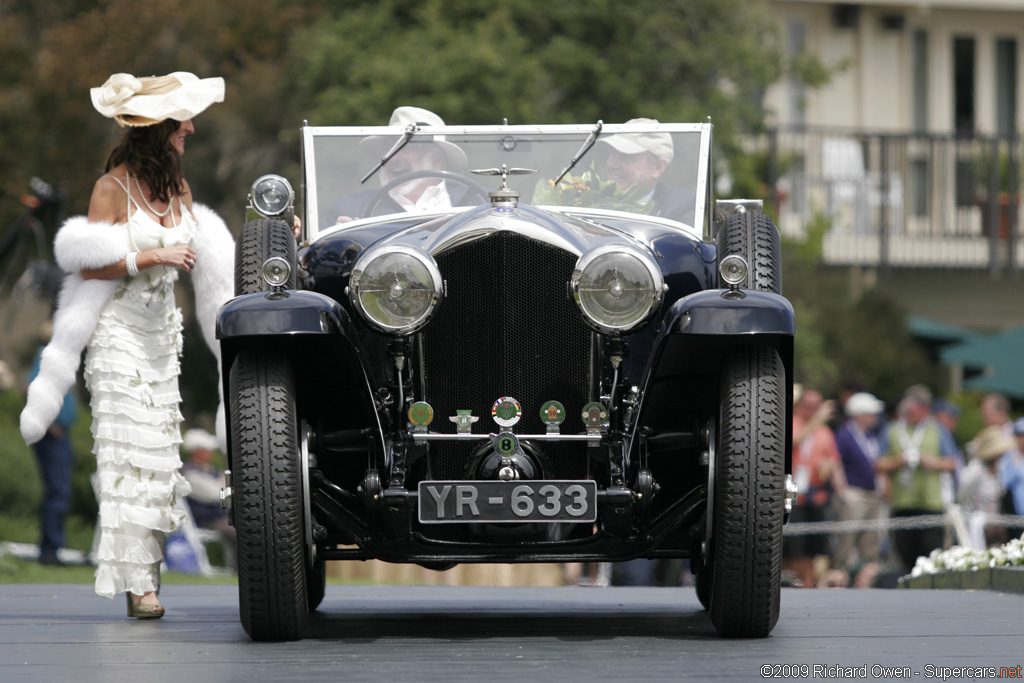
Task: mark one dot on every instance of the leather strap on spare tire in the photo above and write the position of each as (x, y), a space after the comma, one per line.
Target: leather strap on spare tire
(754, 237)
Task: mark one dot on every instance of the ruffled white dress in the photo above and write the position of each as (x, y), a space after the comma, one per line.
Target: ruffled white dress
(131, 370)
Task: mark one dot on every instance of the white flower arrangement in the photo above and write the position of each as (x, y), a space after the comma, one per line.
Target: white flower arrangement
(959, 558)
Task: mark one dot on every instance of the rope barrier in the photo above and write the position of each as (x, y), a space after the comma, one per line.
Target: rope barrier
(953, 518)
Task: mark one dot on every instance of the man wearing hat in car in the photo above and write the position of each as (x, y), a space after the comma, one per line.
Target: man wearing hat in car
(427, 193)
(639, 160)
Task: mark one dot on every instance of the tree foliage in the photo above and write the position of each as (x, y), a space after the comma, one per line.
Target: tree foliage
(352, 63)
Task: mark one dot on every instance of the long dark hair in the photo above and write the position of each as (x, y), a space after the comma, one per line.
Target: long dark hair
(148, 154)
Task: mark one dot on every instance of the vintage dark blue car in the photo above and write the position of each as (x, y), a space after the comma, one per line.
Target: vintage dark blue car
(507, 344)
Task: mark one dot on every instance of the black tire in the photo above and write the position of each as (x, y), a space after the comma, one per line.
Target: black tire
(749, 494)
(267, 497)
(258, 241)
(754, 237)
(316, 584)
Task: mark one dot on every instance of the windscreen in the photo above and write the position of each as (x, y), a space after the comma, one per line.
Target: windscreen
(644, 170)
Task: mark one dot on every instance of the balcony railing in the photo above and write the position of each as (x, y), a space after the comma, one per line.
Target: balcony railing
(900, 201)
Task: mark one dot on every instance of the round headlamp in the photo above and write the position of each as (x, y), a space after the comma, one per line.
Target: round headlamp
(395, 288)
(617, 288)
(276, 271)
(733, 270)
(271, 195)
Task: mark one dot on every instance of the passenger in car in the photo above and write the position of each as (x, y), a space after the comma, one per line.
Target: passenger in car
(425, 193)
(640, 160)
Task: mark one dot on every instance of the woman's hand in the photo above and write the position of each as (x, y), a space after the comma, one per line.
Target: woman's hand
(180, 256)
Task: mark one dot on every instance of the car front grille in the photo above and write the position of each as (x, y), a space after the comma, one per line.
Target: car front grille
(506, 328)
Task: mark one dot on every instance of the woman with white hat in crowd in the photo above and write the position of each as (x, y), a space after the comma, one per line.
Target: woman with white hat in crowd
(981, 490)
(142, 230)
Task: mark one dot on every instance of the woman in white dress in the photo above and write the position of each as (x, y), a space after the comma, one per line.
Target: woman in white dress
(140, 233)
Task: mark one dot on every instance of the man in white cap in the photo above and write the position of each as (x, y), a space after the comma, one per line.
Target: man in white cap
(639, 160)
(421, 154)
(859, 446)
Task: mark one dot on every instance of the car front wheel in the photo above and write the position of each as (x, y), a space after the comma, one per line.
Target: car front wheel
(749, 494)
(267, 497)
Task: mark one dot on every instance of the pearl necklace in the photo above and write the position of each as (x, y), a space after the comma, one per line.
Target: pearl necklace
(170, 204)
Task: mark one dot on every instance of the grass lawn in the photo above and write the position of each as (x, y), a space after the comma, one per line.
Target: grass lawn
(79, 536)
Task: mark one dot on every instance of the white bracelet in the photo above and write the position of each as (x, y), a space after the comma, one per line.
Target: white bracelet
(130, 264)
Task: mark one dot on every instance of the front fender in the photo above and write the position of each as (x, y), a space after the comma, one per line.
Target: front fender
(717, 311)
(333, 388)
(697, 334)
(276, 313)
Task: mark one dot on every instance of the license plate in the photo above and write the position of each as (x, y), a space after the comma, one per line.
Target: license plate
(454, 502)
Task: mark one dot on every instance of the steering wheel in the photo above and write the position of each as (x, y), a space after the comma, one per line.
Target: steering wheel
(472, 188)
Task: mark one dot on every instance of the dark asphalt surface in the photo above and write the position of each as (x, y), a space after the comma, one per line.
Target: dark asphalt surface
(385, 633)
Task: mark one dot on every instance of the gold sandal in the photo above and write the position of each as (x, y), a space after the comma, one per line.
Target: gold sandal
(141, 610)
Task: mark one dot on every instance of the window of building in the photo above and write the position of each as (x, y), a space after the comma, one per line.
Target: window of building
(963, 85)
(1006, 87)
(919, 64)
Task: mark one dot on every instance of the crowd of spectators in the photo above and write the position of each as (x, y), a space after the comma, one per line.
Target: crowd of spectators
(901, 482)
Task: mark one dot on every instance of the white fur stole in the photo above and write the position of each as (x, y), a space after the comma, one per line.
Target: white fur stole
(80, 245)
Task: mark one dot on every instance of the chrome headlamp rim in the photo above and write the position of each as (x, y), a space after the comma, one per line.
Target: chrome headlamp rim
(276, 271)
(263, 210)
(657, 293)
(733, 269)
(372, 254)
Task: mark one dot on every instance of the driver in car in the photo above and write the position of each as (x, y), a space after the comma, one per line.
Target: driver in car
(639, 160)
(421, 153)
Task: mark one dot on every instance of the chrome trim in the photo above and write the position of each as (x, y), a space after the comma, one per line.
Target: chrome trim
(703, 174)
(725, 274)
(519, 222)
(433, 436)
(619, 248)
(252, 196)
(710, 510)
(272, 260)
(791, 494)
(307, 518)
(312, 222)
(375, 252)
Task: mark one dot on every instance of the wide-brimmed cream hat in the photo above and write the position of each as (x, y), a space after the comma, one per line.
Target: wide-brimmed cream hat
(149, 100)
(991, 443)
(658, 144)
(379, 145)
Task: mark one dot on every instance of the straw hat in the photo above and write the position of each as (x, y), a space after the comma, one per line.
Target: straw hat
(379, 145)
(991, 443)
(145, 101)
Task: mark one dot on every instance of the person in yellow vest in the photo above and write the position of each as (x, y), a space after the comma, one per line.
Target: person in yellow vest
(914, 460)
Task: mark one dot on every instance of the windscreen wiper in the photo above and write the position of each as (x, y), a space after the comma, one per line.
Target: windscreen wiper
(410, 130)
(583, 150)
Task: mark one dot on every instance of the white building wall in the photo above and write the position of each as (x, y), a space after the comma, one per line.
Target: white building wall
(875, 90)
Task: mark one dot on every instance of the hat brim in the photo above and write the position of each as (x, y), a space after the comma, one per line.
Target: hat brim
(379, 145)
(193, 98)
